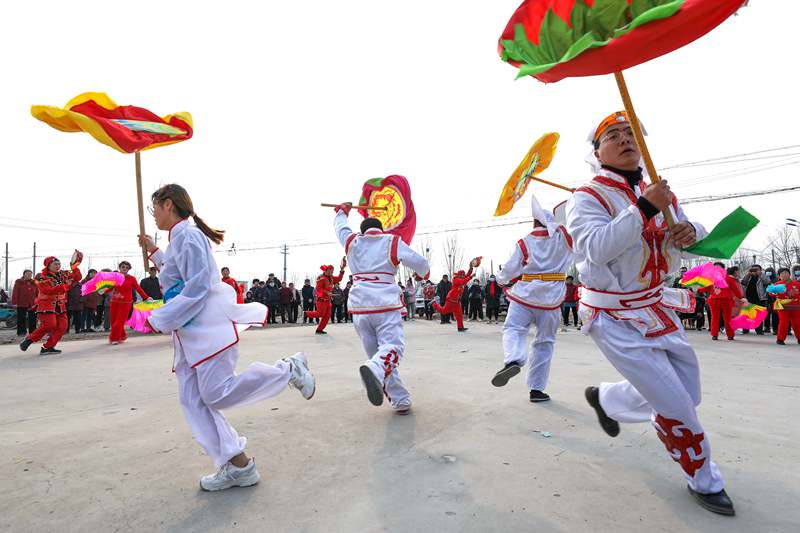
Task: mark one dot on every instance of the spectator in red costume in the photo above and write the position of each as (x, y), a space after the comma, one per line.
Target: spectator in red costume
(226, 278)
(122, 302)
(53, 284)
(324, 291)
(453, 301)
(722, 301)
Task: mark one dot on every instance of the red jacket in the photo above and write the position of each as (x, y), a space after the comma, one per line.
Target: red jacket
(458, 286)
(238, 288)
(123, 294)
(53, 289)
(24, 293)
(793, 292)
(572, 293)
(733, 292)
(325, 285)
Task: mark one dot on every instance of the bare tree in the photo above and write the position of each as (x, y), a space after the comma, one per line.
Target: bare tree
(785, 246)
(426, 248)
(453, 252)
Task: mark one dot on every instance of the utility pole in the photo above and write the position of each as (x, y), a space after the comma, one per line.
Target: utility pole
(285, 252)
(6, 266)
(33, 268)
(773, 260)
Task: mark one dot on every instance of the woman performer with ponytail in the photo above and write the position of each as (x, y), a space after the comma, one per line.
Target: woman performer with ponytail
(202, 314)
(121, 303)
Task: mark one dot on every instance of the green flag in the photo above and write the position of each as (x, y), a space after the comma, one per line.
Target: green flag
(726, 237)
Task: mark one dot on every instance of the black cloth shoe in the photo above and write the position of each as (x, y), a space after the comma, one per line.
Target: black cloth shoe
(609, 425)
(715, 338)
(373, 386)
(781, 343)
(321, 332)
(539, 396)
(463, 329)
(506, 373)
(45, 351)
(26, 342)
(719, 502)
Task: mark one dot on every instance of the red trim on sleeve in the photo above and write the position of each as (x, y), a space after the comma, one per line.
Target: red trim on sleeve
(592, 192)
(524, 250)
(349, 242)
(393, 251)
(567, 236)
(150, 258)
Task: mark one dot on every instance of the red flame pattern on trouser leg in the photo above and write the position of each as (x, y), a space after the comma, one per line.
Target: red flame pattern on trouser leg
(679, 439)
(661, 386)
(382, 337)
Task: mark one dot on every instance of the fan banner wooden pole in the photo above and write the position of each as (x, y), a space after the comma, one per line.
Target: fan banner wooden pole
(637, 132)
(141, 205)
(365, 207)
(556, 185)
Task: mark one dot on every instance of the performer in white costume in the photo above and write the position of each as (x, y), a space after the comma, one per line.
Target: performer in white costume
(204, 319)
(376, 303)
(538, 265)
(623, 251)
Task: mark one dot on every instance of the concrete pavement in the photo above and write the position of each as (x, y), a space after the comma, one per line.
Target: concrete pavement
(94, 440)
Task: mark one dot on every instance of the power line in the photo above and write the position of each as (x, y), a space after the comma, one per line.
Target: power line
(702, 199)
(53, 230)
(60, 224)
(680, 165)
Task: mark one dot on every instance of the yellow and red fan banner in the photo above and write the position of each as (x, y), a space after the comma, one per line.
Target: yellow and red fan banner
(536, 160)
(392, 195)
(127, 129)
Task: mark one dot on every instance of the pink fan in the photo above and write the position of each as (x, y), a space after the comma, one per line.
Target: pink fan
(704, 276)
(141, 312)
(102, 281)
(750, 317)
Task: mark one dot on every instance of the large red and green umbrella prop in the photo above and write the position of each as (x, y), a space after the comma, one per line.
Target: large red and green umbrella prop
(556, 39)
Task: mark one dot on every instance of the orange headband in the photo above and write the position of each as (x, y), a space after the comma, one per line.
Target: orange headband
(617, 117)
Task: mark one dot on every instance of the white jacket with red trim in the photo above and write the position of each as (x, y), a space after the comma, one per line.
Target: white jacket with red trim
(617, 250)
(543, 251)
(204, 318)
(373, 258)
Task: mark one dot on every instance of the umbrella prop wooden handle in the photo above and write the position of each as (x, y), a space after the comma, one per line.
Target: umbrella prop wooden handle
(141, 206)
(365, 207)
(637, 132)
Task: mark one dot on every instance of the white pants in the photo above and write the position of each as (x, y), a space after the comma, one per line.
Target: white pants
(214, 385)
(383, 340)
(515, 334)
(662, 386)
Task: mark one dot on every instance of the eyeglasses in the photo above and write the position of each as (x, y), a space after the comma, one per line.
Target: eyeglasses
(151, 210)
(616, 135)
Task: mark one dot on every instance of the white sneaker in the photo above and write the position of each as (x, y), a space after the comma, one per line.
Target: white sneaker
(231, 476)
(302, 379)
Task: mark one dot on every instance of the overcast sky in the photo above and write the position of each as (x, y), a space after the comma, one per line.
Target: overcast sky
(297, 103)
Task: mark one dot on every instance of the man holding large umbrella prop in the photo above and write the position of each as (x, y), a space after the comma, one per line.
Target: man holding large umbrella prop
(623, 246)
